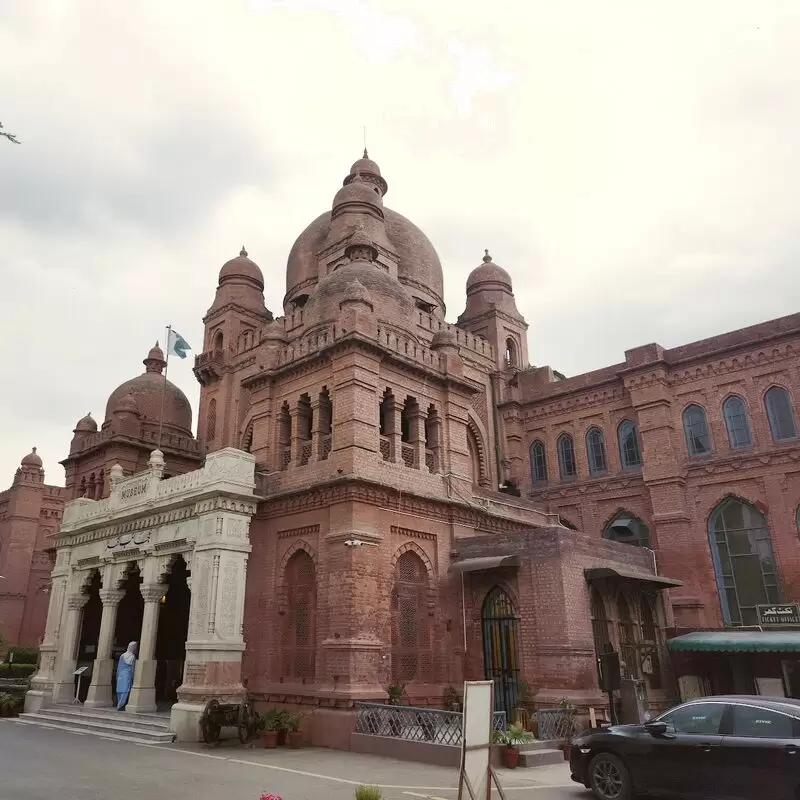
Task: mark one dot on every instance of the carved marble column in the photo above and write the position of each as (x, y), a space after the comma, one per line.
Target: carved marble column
(143, 693)
(64, 691)
(100, 693)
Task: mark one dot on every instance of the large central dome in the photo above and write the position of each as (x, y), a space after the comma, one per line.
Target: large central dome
(419, 268)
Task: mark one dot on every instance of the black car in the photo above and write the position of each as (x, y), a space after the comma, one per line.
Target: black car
(715, 748)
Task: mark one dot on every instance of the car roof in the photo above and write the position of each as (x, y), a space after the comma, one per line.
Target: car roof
(789, 704)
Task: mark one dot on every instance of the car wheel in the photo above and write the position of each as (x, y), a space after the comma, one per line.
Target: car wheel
(609, 778)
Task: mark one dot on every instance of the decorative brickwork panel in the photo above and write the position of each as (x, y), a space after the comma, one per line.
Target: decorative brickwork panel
(408, 455)
(412, 658)
(305, 453)
(327, 442)
(385, 448)
(298, 629)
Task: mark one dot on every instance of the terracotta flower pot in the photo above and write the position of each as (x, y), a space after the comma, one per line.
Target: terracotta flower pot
(270, 739)
(295, 739)
(282, 737)
(511, 757)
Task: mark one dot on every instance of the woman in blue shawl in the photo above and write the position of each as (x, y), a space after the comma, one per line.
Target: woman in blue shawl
(127, 661)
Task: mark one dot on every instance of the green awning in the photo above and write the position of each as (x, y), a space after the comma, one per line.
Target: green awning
(736, 642)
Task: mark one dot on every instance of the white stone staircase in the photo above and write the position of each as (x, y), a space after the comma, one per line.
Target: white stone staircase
(105, 722)
(540, 754)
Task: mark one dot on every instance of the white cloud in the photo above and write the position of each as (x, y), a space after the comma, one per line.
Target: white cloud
(632, 164)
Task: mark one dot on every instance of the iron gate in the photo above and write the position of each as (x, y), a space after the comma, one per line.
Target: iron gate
(500, 649)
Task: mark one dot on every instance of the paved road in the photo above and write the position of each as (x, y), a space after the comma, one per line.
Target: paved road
(42, 764)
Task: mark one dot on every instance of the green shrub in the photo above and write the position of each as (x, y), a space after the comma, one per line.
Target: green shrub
(368, 793)
(17, 670)
(11, 704)
(23, 655)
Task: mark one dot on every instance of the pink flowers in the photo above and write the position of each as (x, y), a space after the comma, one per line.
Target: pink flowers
(270, 797)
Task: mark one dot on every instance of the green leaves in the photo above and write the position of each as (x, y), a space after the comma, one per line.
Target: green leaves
(7, 135)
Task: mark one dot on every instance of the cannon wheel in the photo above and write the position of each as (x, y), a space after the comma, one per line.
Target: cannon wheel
(245, 723)
(209, 727)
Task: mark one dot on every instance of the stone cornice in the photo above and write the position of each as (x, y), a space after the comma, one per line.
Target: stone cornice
(577, 490)
(258, 318)
(478, 514)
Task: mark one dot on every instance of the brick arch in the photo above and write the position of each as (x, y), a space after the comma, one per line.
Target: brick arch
(758, 505)
(246, 439)
(480, 595)
(623, 510)
(413, 547)
(295, 547)
(475, 428)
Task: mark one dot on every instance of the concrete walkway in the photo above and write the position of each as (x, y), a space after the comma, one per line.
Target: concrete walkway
(40, 763)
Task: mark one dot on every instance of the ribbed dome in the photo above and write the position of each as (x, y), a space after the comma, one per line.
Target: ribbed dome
(381, 289)
(86, 424)
(32, 459)
(143, 394)
(418, 261)
(488, 275)
(242, 268)
(358, 193)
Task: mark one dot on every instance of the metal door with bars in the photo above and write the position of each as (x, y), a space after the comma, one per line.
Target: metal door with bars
(500, 649)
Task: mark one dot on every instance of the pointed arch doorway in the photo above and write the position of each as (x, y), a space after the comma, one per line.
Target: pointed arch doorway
(501, 648)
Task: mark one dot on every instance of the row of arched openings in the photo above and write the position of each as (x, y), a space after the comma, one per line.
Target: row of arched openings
(741, 552)
(630, 453)
(780, 415)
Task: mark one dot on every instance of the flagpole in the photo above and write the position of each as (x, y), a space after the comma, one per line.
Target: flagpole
(164, 386)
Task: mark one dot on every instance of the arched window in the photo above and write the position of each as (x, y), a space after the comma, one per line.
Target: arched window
(596, 451)
(735, 413)
(695, 426)
(781, 414)
(511, 353)
(538, 463)
(411, 654)
(743, 560)
(217, 347)
(299, 621)
(211, 424)
(566, 456)
(630, 453)
(627, 529)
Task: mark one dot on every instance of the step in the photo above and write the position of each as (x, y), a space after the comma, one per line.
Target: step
(540, 758)
(154, 723)
(26, 719)
(81, 723)
(539, 744)
(160, 718)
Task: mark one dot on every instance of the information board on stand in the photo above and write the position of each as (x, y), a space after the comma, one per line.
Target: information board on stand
(477, 775)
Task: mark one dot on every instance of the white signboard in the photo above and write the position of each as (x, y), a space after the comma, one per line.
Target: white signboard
(476, 747)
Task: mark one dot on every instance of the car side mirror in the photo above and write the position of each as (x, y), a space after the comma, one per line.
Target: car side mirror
(656, 728)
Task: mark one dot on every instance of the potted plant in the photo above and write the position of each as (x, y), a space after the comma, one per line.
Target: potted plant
(395, 698)
(294, 736)
(510, 740)
(451, 699)
(368, 793)
(270, 725)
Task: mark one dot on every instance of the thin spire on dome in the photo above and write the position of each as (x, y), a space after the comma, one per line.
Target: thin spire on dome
(243, 252)
(486, 258)
(366, 154)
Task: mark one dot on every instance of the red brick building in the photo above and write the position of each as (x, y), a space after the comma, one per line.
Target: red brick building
(30, 515)
(692, 452)
(419, 480)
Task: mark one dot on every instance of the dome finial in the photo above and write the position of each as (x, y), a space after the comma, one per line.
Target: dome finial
(33, 451)
(155, 360)
(366, 154)
(243, 252)
(486, 258)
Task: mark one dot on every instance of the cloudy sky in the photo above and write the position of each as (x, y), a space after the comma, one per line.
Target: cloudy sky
(633, 165)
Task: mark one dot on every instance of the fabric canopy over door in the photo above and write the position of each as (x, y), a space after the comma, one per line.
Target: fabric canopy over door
(736, 642)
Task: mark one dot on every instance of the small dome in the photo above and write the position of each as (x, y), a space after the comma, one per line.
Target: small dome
(444, 338)
(242, 268)
(147, 392)
(388, 297)
(357, 192)
(365, 165)
(32, 460)
(355, 292)
(155, 354)
(488, 276)
(86, 424)
(127, 404)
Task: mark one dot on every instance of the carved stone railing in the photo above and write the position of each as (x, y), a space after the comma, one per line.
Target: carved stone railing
(415, 724)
